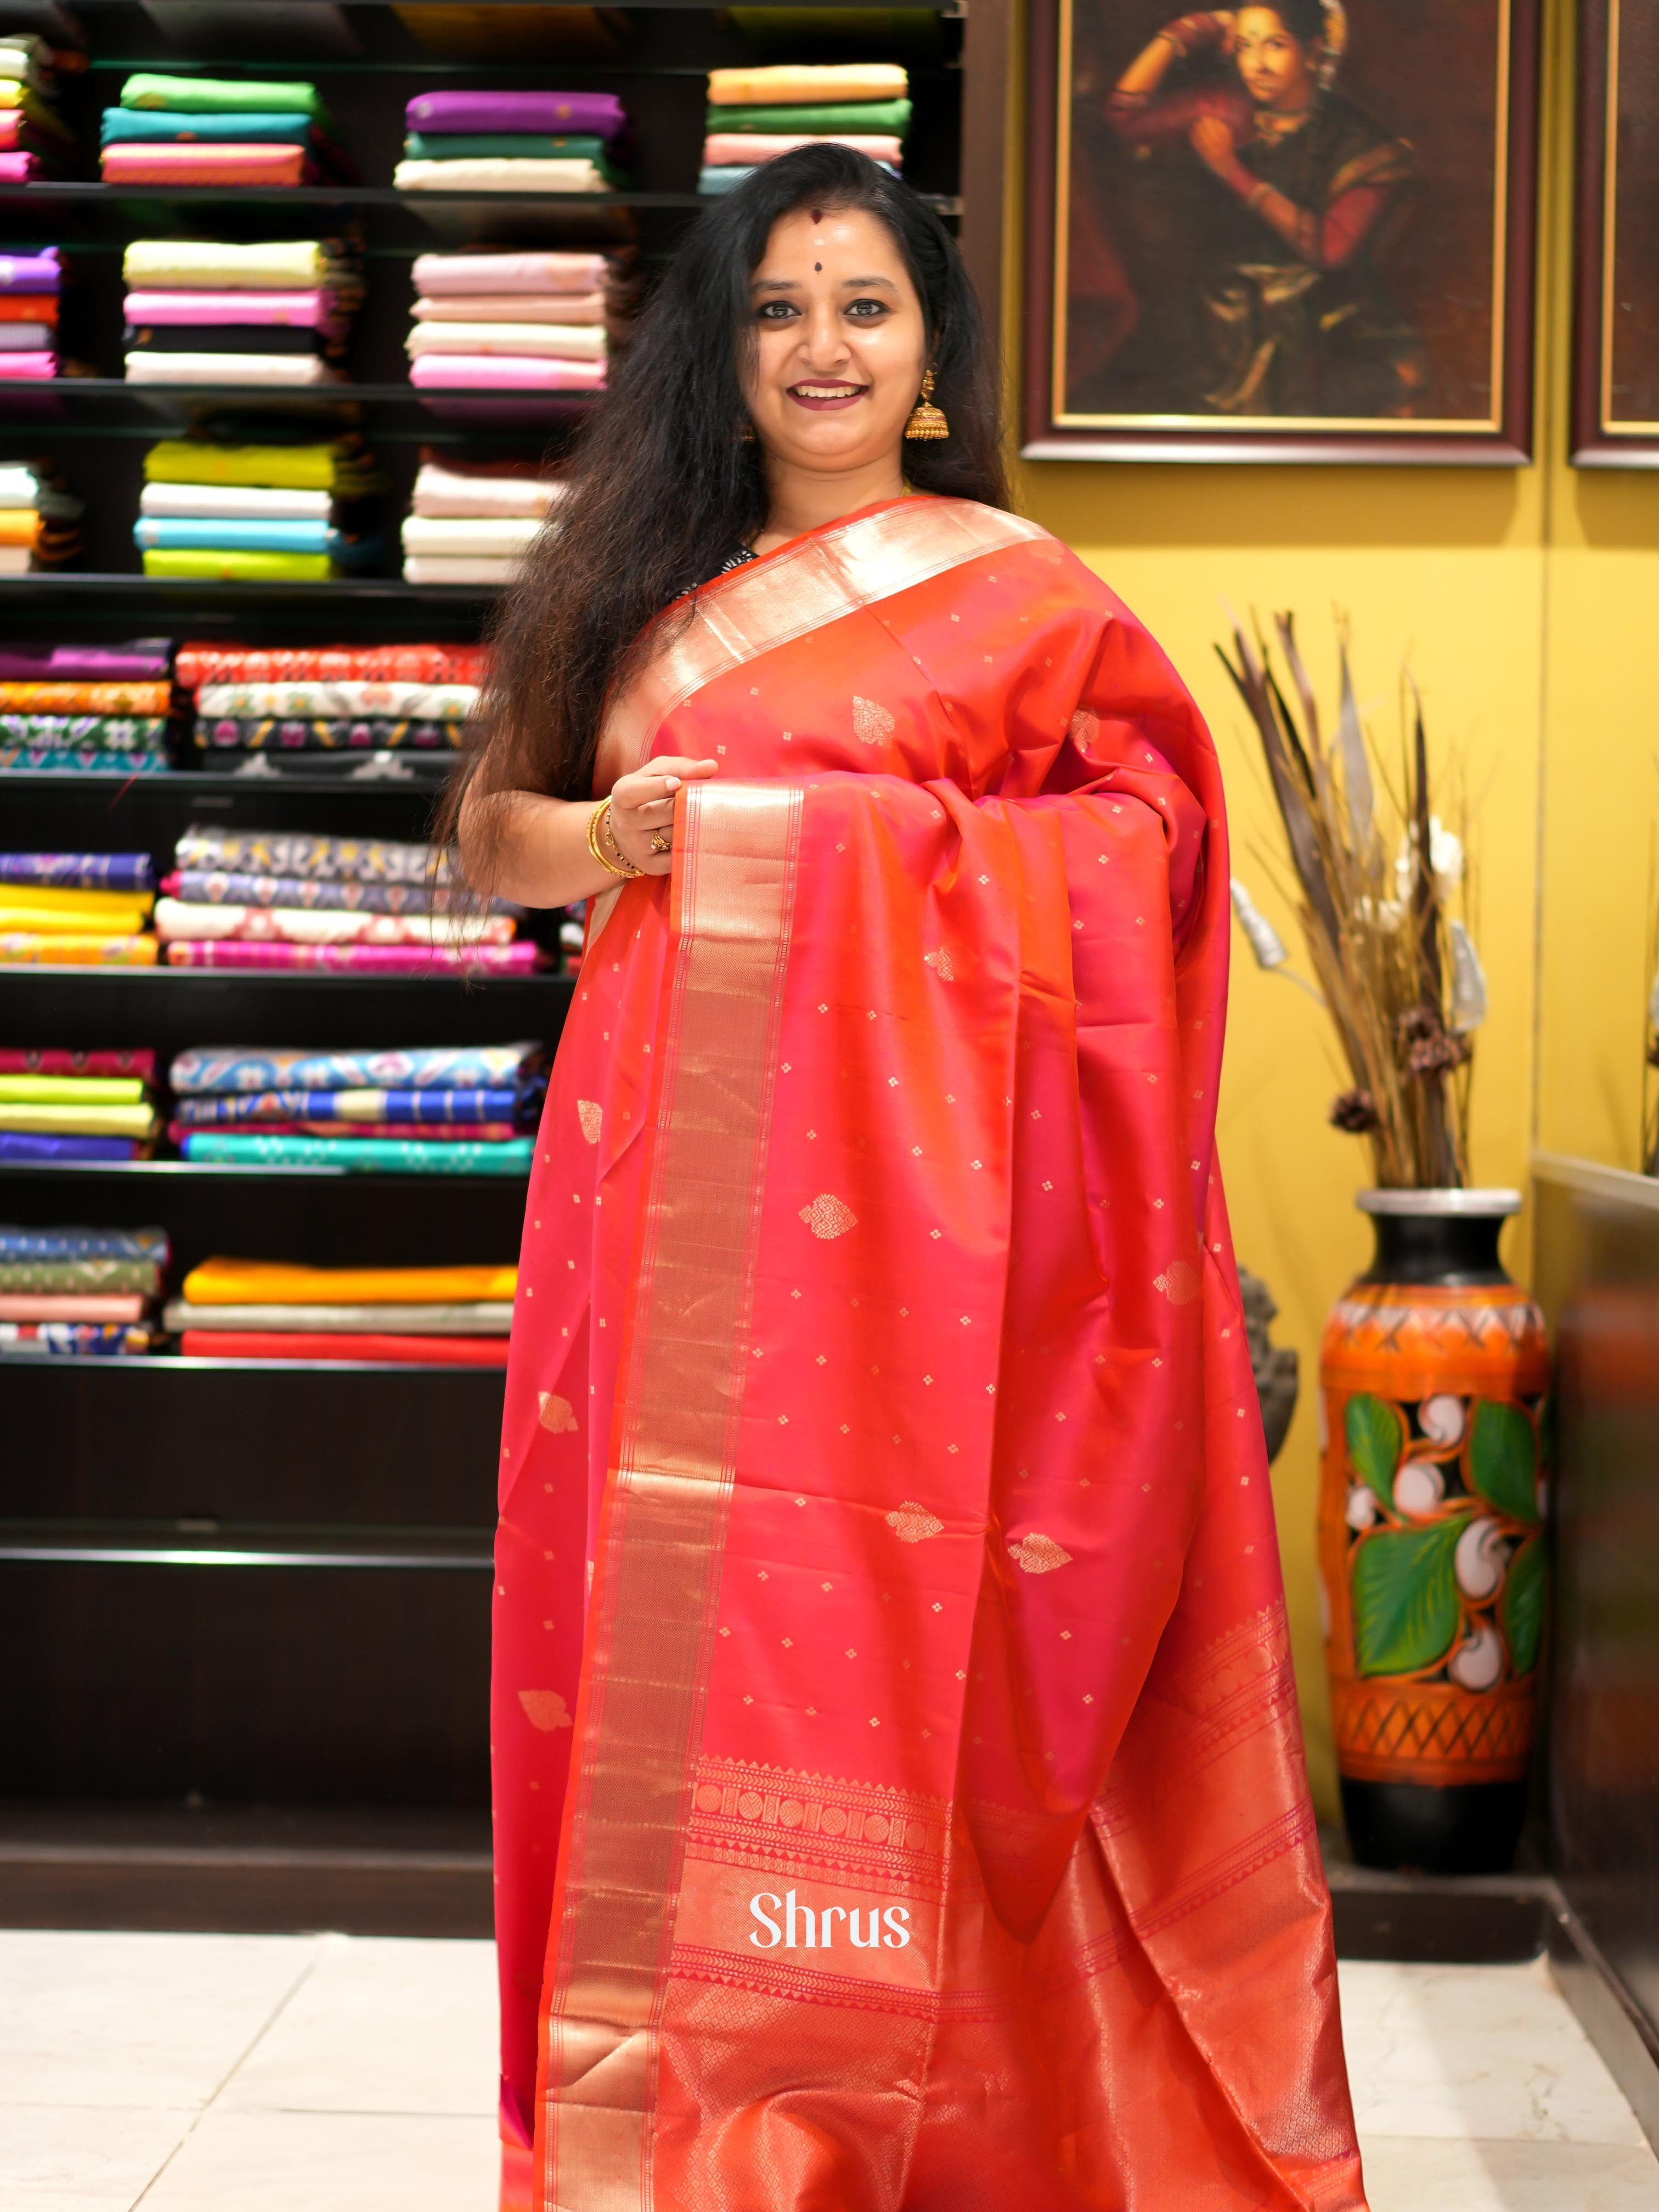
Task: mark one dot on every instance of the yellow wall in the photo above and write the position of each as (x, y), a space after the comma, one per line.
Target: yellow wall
(1528, 602)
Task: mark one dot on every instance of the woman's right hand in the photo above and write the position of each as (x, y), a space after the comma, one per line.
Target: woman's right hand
(642, 807)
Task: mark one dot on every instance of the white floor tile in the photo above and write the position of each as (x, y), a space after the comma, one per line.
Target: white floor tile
(1482, 2051)
(1407, 2174)
(55, 2158)
(332, 2162)
(135, 2020)
(380, 2025)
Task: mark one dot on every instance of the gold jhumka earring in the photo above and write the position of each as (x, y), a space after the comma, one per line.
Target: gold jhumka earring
(927, 420)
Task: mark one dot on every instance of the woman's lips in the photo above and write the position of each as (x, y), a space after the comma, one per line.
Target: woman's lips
(824, 397)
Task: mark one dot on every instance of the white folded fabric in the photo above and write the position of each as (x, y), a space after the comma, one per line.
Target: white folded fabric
(304, 925)
(439, 491)
(458, 569)
(21, 486)
(510, 307)
(238, 503)
(500, 535)
(498, 173)
(419, 703)
(481, 1317)
(568, 341)
(277, 368)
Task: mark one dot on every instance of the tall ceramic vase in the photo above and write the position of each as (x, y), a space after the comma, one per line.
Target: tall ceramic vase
(1433, 1372)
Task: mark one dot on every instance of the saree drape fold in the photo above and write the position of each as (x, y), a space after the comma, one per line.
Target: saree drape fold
(900, 1804)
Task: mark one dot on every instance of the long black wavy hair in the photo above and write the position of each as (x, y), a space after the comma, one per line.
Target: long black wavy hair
(666, 487)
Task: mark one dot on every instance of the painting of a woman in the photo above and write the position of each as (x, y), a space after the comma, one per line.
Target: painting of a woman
(1276, 198)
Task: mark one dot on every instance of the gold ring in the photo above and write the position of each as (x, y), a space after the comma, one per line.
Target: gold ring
(661, 841)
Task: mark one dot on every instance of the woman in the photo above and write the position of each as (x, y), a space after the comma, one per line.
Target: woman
(1294, 315)
(899, 1799)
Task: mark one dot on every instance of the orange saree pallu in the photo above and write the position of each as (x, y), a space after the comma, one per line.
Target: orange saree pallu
(900, 1802)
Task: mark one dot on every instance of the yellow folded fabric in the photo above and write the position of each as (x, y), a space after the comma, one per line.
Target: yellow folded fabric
(20, 912)
(72, 1090)
(91, 906)
(269, 1282)
(63, 949)
(811, 83)
(81, 1121)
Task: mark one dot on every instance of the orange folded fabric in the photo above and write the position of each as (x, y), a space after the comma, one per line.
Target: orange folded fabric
(28, 307)
(27, 697)
(142, 164)
(20, 526)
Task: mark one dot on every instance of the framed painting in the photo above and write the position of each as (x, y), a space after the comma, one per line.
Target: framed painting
(1615, 380)
(1302, 232)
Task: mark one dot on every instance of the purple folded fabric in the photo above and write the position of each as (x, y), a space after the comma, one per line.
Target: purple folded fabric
(504, 372)
(15, 1146)
(26, 367)
(307, 311)
(561, 114)
(18, 168)
(139, 662)
(31, 272)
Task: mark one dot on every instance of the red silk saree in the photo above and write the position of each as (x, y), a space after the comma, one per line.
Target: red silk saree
(899, 1799)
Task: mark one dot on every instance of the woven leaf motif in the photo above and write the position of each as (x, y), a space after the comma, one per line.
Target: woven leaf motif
(555, 1413)
(829, 1216)
(914, 1523)
(592, 1118)
(1178, 1282)
(871, 724)
(545, 1710)
(1085, 728)
(941, 963)
(1038, 1555)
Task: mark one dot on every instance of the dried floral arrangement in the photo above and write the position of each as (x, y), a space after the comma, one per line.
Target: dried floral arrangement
(1374, 874)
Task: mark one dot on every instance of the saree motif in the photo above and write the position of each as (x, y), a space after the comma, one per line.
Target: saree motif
(899, 1797)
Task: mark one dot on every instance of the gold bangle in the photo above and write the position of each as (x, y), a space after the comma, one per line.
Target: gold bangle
(622, 866)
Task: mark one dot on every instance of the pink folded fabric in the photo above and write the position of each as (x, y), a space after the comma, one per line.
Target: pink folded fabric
(26, 1305)
(501, 372)
(741, 149)
(140, 164)
(28, 368)
(306, 311)
(509, 272)
(517, 959)
(18, 168)
(510, 307)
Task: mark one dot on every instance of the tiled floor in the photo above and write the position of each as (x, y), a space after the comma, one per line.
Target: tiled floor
(335, 2073)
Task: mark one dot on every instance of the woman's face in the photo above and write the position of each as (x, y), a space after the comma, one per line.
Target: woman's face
(1276, 67)
(840, 343)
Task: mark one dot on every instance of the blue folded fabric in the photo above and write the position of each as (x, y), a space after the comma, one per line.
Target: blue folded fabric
(170, 128)
(86, 1244)
(414, 1106)
(724, 179)
(16, 1145)
(220, 532)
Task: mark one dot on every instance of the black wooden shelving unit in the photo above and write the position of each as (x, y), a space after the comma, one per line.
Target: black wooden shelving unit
(244, 1611)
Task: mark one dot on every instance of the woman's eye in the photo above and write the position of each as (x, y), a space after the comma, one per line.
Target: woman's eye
(867, 310)
(775, 311)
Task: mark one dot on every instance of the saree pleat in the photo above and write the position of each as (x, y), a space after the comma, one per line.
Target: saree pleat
(899, 1795)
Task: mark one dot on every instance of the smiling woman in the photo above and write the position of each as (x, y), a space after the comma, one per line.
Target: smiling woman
(885, 1538)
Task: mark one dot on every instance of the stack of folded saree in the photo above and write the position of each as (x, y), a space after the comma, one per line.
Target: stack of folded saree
(442, 1109)
(276, 899)
(527, 322)
(259, 1309)
(253, 514)
(34, 139)
(100, 723)
(512, 141)
(755, 114)
(76, 909)
(210, 131)
(40, 520)
(472, 523)
(319, 704)
(86, 1291)
(277, 314)
(31, 282)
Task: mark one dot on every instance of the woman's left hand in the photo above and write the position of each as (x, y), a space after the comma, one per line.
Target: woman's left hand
(1213, 143)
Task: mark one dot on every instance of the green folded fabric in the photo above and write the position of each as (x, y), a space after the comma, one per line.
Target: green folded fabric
(857, 118)
(238, 567)
(509, 146)
(212, 96)
(64, 1278)
(365, 1155)
(333, 468)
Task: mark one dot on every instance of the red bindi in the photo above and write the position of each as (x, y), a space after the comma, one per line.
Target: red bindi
(818, 215)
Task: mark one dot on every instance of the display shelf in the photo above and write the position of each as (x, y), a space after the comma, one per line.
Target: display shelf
(193, 1542)
(171, 1008)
